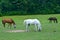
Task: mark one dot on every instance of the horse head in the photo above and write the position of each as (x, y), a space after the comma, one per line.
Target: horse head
(14, 24)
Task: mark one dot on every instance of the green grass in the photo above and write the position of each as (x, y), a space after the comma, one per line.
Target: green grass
(47, 32)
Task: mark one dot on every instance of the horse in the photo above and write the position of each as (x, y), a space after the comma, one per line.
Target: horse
(9, 21)
(54, 19)
(35, 22)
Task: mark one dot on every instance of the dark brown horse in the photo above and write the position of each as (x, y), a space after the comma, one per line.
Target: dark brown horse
(54, 19)
(9, 21)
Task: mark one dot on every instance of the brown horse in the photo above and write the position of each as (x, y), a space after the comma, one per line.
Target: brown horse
(54, 19)
(9, 21)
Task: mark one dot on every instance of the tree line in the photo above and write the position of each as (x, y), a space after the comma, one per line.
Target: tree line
(22, 7)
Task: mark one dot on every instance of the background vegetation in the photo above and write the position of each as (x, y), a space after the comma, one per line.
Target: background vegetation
(20, 7)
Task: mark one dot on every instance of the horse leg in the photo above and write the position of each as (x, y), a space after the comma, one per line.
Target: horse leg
(9, 25)
(56, 21)
(50, 21)
(27, 28)
(35, 27)
(39, 27)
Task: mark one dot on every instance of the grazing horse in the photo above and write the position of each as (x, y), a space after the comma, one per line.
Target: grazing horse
(9, 21)
(54, 19)
(36, 22)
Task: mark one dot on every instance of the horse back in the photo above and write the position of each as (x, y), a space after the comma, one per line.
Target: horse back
(52, 18)
(32, 21)
(7, 20)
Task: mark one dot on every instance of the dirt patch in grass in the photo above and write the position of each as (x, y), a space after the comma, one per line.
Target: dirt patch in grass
(15, 31)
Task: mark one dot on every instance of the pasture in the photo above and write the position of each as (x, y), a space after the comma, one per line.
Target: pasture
(50, 31)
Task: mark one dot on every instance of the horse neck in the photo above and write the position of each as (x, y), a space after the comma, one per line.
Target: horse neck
(13, 22)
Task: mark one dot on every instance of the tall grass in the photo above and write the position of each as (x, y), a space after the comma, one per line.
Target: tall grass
(47, 32)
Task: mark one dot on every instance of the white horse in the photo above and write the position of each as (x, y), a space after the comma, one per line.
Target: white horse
(36, 22)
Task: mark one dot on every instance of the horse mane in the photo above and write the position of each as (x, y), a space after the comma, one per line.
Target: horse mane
(13, 21)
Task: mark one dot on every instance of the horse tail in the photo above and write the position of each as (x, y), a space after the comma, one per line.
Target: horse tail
(2, 22)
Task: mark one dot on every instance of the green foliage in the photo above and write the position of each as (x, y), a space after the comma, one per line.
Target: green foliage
(0, 14)
(30, 6)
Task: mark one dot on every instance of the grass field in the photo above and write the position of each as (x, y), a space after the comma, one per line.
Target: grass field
(47, 32)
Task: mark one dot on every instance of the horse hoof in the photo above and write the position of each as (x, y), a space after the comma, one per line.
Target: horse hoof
(54, 31)
(35, 31)
(39, 30)
(27, 31)
(14, 27)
